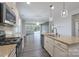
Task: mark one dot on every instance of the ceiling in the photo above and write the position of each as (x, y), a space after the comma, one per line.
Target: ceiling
(40, 11)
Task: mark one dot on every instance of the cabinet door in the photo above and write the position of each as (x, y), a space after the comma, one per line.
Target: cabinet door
(59, 53)
(13, 53)
(61, 45)
(74, 50)
(48, 45)
(50, 50)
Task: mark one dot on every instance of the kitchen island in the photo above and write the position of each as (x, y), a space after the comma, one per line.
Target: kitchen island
(63, 46)
(8, 50)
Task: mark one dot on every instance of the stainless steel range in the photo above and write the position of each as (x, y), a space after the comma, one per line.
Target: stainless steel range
(13, 40)
(2, 35)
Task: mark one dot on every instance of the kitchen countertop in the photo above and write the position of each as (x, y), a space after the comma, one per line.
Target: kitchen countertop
(69, 40)
(11, 36)
(5, 50)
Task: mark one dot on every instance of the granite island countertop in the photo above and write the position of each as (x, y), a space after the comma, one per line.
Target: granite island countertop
(5, 50)
(69, 40)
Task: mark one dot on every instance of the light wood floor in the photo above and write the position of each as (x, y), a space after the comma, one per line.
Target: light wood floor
(33, 47)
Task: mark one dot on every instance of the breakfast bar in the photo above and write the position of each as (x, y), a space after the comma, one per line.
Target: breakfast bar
(61, 46)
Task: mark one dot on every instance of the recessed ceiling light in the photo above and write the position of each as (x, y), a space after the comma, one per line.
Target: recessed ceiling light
(37, 23)
(28, 2)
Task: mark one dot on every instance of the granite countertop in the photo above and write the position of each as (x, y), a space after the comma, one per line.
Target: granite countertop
(12, 36)
(69, 40)
(5, 50)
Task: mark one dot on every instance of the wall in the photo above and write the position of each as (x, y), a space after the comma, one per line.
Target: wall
(45, 27)
(23, 28)
(65, 25)
(7, 29)
(73, 26)
(75, 18)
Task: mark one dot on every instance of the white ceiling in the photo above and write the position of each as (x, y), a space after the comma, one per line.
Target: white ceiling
(39, 11)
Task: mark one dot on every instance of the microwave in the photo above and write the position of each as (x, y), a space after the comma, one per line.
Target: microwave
(7, 15)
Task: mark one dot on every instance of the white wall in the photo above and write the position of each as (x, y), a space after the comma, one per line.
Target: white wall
(64, 25)
(45, 27)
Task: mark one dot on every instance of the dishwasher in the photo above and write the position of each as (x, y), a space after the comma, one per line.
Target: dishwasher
(19, 48)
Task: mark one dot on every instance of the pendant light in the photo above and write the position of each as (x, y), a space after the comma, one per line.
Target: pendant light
(64, 12)
(51, 21)
(52, 7)
(51, 14)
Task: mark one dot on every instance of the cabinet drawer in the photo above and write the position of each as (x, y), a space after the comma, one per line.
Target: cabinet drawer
(48, 45)
(74, 50)
(59, 53)
(61, 45)
(49, 40)
(49, 49)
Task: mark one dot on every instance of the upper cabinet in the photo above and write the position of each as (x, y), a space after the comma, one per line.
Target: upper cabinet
(7, 14)
(11, 5)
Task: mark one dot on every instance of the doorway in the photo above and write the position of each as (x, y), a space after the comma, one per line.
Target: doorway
(75, 25)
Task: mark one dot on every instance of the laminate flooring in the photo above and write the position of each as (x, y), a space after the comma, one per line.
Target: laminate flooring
(32, 47)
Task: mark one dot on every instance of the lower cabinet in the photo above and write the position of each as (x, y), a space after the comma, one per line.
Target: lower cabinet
(55, 48)
(13, 53)
(59, 52)
(48, 45)
(59, 49)
(74, 50)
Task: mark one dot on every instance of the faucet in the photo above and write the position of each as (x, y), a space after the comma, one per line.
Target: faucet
(56, 30)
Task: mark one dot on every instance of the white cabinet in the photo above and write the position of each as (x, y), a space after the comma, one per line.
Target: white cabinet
(48, 45)
(59, 52)
(55, 48)
(74, 50)
(60, 49)
(61, 45)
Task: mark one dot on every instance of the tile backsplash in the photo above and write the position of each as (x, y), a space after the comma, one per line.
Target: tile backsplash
(7, 29)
